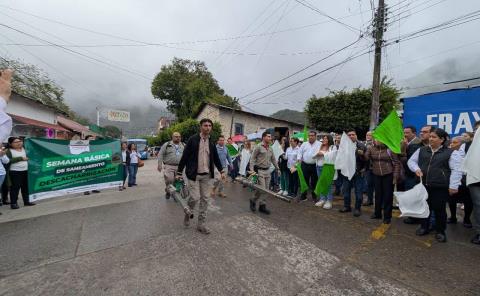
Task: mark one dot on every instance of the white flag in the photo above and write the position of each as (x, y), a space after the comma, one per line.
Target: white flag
(346, 161)
(472, 159)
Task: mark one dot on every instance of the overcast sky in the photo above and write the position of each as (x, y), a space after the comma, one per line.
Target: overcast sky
(247, 63)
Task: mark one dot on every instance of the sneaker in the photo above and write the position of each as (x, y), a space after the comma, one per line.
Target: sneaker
(451, 221)
(320, 203)
(345, 210)
(285, 193)
(357, 213)
(280, 192)
(302, 198)
(328, 205)
(441, 238)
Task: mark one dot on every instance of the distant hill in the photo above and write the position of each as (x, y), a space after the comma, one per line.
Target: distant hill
(290, 115)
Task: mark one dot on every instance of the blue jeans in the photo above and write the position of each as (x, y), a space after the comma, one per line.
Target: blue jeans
(357, 183)
(132, 174)
(338, 183)
(329, 195)
(2, 178)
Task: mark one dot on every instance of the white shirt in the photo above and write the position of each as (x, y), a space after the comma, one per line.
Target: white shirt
(454, 163)
(20, 166)
(124, 156)
(308, 151)
(3, 160)
(5, 121)
(134, 156)
(329, 156)
(292, 156)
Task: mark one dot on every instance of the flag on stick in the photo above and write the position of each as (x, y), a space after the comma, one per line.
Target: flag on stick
(301, 177)
(390, 132)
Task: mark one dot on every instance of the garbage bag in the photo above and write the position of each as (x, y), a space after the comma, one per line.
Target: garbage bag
(413, 203)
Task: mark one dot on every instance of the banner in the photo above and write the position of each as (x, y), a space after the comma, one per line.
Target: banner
(60, 167)
(117, 115)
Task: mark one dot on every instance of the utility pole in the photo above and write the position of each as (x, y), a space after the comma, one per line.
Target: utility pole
(379, 24)
(235, 102)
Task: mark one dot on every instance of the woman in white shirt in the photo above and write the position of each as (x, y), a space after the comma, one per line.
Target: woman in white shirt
(292, 154)
(18, 172)
(326, 154)
(132, 162)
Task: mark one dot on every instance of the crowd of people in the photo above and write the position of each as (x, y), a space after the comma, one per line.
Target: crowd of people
(431, 158)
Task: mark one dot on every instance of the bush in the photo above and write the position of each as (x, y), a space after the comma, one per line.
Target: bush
(187, 129)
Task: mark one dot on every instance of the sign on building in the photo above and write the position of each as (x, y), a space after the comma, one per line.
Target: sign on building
(455, 111)
(118, 115)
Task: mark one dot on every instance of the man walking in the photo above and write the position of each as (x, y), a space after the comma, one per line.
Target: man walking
(307, 157)
(357, 182)
(260, 162)
(226, 162)
(199, 159)
(169, 158)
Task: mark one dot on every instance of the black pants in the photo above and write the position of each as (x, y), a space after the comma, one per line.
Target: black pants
(310, 174)
(292, 183)
(437, 202)
(19, 182)
(5, 190)
(383, 196)
(463, 196)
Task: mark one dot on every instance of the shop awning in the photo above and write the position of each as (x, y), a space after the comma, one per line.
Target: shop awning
(72, 125)
(37, 123)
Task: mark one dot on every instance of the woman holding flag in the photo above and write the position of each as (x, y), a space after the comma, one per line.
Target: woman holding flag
(325, 170)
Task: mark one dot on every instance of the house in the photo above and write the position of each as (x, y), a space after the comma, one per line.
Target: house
(33, 118)
(241, 122)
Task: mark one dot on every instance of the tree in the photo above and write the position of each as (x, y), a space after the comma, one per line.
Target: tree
(185, 85)
(112, 131)
(342, 110)
(31, 81)
(187, 129)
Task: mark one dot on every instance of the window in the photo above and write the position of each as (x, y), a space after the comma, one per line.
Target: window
(238, 129)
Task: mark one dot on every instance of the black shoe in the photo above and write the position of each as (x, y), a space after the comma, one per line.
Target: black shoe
(375, 217)
(387, 221)
(253, 206)
(345, 210)
(167, 195)
(410, 220)
(95, 191)
(451, 221)
(6, 202)
(367, 204)
(14, 206)
(421, 231)
(86, 193)
(29, 204)
(467, 224)
(302, 198)
(476, 239)
(357, 213)
(441, 238)
(263, 209)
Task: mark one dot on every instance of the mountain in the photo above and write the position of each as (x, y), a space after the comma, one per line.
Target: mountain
(290, 115)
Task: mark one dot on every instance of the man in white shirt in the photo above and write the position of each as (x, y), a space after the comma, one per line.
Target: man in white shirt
(306, 155)
(5, 92)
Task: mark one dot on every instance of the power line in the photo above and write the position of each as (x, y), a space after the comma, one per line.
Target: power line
(71, 51)
(303, 69)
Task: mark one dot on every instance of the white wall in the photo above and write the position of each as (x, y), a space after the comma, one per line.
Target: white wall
(28, 108)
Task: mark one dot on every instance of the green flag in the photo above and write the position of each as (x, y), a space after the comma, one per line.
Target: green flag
(325, 181)
(231, 150)
(303, 183)
(390, 132)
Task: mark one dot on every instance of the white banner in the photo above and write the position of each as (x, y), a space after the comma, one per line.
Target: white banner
(118, 115)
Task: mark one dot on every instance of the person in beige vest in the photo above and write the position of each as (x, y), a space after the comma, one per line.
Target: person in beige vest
(169, 158)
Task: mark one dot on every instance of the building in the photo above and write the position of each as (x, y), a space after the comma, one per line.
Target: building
(32, 118)
(243, 122)
(455, 111)
(76, 128)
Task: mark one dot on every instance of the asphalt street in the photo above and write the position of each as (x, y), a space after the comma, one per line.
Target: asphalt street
(133, 243)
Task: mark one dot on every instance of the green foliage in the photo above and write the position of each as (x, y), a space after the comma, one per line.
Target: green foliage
(342, 110)
(112, 132)
(187, 129)
(290, 115)
(185, 85)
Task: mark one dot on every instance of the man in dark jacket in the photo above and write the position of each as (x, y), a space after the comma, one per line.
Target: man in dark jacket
(199, 158)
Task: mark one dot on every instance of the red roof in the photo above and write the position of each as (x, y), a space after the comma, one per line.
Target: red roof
(72, 125)
(38, 123)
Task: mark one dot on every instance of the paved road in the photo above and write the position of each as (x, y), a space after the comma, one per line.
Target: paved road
(133, 243)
